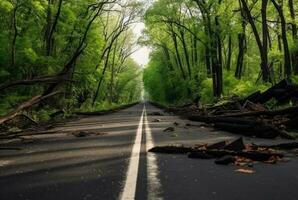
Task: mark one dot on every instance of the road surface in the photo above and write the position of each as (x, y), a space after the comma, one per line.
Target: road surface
(115, 164)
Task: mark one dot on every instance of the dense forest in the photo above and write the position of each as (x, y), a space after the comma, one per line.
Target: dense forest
(60, 55)
(207, 49)
(67, 55)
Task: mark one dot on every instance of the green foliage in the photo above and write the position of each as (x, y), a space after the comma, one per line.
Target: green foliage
(206, 92)
(181, 32)
(27, 39)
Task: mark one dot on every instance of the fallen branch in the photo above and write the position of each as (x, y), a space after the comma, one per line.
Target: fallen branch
(26, 105)
(248, 127)
(214, 153)
(285, 111)
(292, 145)
(36, 80)
(253, 155)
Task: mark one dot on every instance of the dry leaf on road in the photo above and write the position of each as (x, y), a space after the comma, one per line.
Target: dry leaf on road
(245, 171)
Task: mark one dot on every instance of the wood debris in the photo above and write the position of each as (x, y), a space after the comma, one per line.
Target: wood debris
(225, 153)
(169, 129)
(251, 116)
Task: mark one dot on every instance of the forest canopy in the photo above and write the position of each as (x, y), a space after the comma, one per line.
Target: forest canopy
(81, 50)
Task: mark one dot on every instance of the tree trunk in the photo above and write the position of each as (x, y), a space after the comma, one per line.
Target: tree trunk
(178, 54)
(294, 54)
(263, 46)
(287, 57)
(167, 56)
(240, 58)
(102, 76)
(26, 105)
(280, 66)
(195, 52)
(264, 50)
(185, 53)
(15, 35)
(228, 64)
(208, 60)
(51, 27)
(48, 28)
(217, 60)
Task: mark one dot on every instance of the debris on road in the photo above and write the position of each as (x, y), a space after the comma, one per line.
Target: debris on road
(236, 145)
(245, 171)
(171, 150)
(155, 114)
(87, 133)
(258, 115)
(225, 153)
(225, 160)
(169, 129)
(157, 120)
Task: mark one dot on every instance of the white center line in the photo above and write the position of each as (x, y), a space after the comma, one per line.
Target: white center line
(129, 190)
(153, 183)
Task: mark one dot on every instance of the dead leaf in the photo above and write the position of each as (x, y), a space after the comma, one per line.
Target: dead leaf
(273, 160)
(245, 171)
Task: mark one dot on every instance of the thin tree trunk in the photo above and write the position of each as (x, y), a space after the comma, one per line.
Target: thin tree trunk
(178, 54)
(218, 61)
(186, 53)
(280, 66)
(79, 50)
(51, 28)
(294, 54)
(240, 58)
(168, 58)
(287, 57)
(15, 35)
(112, 74)
(48, 27)
(228, 64)
(263, 46)
(102, 76)
(264, 54)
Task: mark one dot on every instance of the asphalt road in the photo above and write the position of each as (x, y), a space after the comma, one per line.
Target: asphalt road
(115, 164)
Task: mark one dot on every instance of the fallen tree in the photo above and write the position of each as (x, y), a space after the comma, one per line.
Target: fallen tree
(243, 126)
(250, 116)
(26, 105)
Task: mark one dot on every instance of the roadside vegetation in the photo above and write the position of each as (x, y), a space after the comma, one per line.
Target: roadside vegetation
(58, 55)
(206, 50)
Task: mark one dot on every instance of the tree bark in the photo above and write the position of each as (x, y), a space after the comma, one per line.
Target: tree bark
(15, 35)
(287, 57)
(79, 50)
(240, 58)
(39, 80)
(263, 46)
(294, 54)
(26, 105)
(51, 27)
(228, 64)
(182, 34)
(174, 38)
